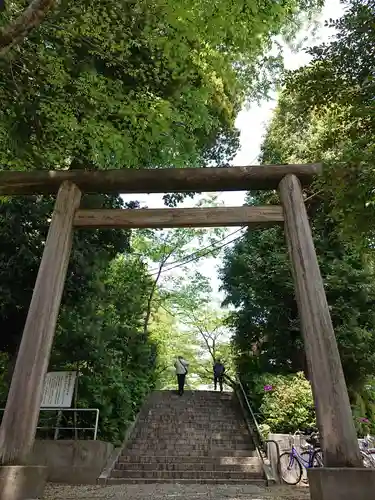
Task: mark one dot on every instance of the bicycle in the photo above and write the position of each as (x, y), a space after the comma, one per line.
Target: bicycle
(368, 453)
(292, 463)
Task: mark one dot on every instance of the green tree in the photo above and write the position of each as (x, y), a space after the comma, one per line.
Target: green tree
(364, 409)
(3, 378)
(324, 113)
(258, 283)
(154, 84)
(167, 250)
(172, 341)
(101, 337)
(118, 85)
(23, 228)
(19, 27)
(192, 303)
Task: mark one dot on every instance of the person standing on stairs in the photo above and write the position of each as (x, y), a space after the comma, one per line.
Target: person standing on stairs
(219, 371)
(181, 366)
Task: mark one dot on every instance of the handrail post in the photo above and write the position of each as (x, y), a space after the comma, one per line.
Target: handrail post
(96, 424)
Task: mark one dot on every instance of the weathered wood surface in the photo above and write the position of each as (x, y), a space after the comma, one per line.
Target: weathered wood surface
(20, 419)
(335, 421)
(180, 217)
(155, 180)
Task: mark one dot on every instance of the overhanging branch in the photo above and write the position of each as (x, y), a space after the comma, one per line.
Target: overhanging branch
(30, 18)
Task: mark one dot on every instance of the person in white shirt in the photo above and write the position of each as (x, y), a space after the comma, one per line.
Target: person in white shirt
(181, 366)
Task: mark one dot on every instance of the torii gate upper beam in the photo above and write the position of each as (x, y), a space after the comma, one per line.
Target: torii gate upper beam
(166, 180)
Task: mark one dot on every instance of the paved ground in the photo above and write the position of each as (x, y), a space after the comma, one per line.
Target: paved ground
(175, 492)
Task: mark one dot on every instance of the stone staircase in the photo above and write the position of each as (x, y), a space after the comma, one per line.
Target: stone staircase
(200, 437)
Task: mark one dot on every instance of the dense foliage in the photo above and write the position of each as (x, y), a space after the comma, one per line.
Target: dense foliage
(23, 228)
(100, 326)
(364, 409)
(135, 84)
(325, 113)
(102, 338)
(139, 84)
(285, 402)
(259, 284)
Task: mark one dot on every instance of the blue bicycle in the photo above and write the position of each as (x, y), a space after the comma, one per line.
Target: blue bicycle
(292, 463)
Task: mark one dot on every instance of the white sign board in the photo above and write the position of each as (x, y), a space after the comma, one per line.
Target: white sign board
(58, 389)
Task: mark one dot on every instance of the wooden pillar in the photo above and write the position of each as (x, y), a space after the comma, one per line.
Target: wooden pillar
(20, 419)
(334, 416)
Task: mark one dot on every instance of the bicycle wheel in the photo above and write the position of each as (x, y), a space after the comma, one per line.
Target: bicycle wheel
(317, 458)
(290, 468)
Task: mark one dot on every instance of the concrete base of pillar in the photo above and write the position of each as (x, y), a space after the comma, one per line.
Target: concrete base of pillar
(22, 482)
(341, 483)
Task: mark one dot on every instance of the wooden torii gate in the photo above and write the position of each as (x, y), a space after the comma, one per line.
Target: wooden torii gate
(17, 433)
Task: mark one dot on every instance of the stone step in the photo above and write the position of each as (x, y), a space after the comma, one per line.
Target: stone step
(169, 449)
(189, 404)
(192, 450)
(197, 433)
(174, 409)
(191, 439)
(187, 447)
(153, 421)
(193, 394)
(222, 406)
(189, 474)
(225, 459)
(199, 438)
(222, 411)
(230, 432)
(181, 428)
(121, 480)
(198, 422)
(250, 467)
(204, 423)
(189, 417)
(203, 441)
(175, 442)
(194, 453)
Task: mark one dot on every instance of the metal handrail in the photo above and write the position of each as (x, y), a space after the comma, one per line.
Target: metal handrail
(261, 445)
(57, 427)
(250, 409)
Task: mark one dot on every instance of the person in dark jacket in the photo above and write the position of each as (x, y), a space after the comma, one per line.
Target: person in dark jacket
(219, 371)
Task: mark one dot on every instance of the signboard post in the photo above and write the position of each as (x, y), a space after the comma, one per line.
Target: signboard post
(58, 389)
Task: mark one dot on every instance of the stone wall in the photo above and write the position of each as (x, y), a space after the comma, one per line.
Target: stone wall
(72, 462)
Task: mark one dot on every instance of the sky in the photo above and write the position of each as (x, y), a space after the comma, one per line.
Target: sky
(252, 124)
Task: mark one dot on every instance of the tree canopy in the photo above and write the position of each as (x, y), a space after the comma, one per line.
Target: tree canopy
(325, 113)
(135, 84)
